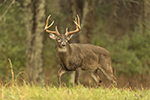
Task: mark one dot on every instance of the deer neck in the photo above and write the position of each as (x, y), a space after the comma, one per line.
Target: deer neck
(63, 56)
(64, 51)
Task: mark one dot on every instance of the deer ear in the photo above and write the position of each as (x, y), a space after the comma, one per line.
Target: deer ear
(69, 37)
(52, 36)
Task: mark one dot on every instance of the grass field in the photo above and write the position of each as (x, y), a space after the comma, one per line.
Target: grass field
(11, 91)
(26, 92)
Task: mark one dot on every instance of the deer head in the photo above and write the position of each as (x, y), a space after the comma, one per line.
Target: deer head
(62, 39)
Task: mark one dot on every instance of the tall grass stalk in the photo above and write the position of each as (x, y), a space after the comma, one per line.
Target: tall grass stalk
(12, 72)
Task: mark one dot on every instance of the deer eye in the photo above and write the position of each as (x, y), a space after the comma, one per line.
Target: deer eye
(59, 40)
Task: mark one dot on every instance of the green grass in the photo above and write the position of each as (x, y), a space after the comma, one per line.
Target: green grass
(27, 92)
(12, 91)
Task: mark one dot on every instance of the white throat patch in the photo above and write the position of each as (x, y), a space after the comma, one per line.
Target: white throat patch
(64, 49)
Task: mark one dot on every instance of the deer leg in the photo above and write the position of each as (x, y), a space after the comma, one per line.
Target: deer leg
(96, 78)
(106, 69)
(77, 74)
(59, 74)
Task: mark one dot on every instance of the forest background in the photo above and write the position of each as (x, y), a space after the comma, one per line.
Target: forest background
(120, 26)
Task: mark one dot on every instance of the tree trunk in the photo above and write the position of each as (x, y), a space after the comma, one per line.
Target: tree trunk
(145, 15)
(34, 21)
(73, 13)
(87, 23)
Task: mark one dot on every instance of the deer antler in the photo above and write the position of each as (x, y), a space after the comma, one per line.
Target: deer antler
(78, 27)
(46, 27)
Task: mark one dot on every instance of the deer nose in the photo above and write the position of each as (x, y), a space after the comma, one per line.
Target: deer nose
(63, 44)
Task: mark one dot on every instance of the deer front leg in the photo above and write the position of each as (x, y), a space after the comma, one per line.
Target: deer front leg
(59, 74)
(77, 74)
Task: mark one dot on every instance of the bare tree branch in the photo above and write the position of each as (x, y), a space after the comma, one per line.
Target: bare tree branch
(13, 1)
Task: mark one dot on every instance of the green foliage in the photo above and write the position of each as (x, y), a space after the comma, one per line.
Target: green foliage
(27, 92)
(12, 39)
(130, 54)
(129, 47)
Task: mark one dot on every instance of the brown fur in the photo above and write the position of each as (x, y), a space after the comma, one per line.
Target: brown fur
(76, 57)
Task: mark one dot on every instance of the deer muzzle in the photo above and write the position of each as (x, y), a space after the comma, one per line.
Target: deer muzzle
(63, 44)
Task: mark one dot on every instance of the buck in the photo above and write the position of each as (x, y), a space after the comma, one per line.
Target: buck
(76, 57)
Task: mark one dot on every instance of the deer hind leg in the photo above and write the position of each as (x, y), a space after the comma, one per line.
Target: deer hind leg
(106, 69)
(96, 77)
(59, 74)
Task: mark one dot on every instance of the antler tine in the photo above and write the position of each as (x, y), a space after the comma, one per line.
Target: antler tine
(46, 27)
(66, 30)
(57, 30)
(78, 19)
(78, 27)
(75, 21)
(47, 21)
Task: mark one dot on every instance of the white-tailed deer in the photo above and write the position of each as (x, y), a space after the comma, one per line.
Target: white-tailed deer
(76, 57)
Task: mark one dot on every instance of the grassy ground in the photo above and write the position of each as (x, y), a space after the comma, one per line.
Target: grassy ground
(11, 91)
(27, 92)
